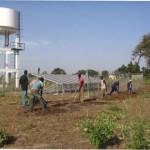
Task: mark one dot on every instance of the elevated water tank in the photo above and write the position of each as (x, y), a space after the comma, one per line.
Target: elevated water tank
(9, 20)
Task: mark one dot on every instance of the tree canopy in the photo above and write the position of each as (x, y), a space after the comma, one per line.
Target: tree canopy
(81, 72)
(58, 71)
(91, 72)
(130, 68)
(143, 49)
(105, 73)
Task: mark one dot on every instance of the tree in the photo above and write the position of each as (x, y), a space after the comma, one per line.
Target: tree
(81, 72)
(105, 73)
(91, 72)
(136, 68)
(58, 71)
(130, 67)
(123, 69)
(143, 49)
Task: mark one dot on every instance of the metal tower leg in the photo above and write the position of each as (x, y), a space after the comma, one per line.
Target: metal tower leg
(17, 41)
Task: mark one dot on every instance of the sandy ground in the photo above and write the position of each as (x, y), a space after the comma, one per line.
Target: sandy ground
(59, 125)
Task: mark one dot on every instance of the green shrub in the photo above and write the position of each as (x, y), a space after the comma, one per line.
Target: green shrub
(135, 134)
(100, 130)
(3, 138)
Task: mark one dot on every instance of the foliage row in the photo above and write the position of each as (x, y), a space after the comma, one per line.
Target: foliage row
(105, 126)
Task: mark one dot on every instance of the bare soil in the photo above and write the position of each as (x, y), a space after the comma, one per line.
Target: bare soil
(59, 125)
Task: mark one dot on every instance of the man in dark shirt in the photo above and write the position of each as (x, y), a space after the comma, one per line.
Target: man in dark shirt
(115, 87)
(24, 88)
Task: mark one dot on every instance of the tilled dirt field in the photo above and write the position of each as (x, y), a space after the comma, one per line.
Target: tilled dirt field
(59, 125)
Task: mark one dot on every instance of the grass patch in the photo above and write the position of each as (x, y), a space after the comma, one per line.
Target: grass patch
(114, 108)
(26, 126)
(2, 94)
(127, 126)
(147, 80)
(135, 133)
(146, 95)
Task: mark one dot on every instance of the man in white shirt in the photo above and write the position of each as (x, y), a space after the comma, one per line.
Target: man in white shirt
(103, 87)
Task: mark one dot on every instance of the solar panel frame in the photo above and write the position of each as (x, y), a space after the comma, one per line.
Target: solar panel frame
(61, 79)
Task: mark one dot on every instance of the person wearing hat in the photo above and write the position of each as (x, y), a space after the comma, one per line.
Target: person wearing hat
(36, 90)
(23, 82)
(129, 86)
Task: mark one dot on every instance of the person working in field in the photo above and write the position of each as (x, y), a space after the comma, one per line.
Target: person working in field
(23, 82)
(103, 87)
(36, 90)
(41, 92)
(129, 87)
(114, 87)
(81, 88)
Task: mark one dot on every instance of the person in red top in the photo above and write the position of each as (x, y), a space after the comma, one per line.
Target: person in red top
(81, 88)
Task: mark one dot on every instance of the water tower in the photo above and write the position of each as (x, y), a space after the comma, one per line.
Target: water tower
(10, 28)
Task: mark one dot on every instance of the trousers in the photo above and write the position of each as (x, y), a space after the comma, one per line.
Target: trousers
(81, 95)
(24, 97)
(37, 96)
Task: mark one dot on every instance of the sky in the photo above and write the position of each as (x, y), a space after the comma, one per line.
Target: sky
(75, 35)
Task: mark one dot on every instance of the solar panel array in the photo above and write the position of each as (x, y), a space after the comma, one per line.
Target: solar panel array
(67, 79)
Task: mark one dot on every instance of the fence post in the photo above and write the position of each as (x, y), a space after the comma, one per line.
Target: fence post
(88, 84)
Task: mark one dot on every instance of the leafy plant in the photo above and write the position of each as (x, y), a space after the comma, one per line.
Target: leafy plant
(100, 130)
(3, 138)
(135, 132)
